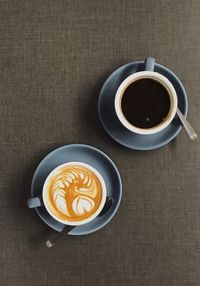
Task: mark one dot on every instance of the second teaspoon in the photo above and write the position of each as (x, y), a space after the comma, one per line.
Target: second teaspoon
(49, 243)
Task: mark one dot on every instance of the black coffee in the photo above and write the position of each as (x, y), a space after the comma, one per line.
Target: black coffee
(145, 103)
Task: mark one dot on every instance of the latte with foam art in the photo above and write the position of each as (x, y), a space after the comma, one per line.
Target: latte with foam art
(74, 193)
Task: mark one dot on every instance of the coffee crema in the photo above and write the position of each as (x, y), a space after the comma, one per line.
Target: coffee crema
(74, 193)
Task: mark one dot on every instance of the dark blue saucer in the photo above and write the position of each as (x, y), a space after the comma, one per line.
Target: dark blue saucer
(114, 127)
(93, 157)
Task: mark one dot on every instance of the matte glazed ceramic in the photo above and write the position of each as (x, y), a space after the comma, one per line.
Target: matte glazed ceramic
(115, 128)
(89, 155)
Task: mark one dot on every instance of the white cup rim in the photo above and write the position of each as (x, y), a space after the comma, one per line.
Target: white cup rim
(162, 80)
(95, 214)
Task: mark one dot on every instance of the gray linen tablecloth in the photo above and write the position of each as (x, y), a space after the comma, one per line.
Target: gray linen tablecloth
(55, 56)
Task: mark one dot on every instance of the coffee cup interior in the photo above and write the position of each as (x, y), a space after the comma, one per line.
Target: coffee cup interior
(146, 102)
(74, 193)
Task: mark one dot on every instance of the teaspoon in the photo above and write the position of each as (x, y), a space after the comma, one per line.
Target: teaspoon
(192, 134)
(49, 243)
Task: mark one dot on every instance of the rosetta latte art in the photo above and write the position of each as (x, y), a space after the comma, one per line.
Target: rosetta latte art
(75, 193)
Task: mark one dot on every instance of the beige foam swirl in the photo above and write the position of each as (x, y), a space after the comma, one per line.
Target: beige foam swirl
(82, 204)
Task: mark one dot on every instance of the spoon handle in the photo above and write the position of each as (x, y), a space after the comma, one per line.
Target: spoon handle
(186, 124)
(49, 243)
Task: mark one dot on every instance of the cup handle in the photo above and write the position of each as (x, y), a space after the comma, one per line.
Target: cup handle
(149, 64)
(34, 202)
